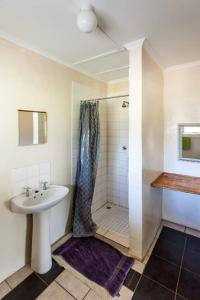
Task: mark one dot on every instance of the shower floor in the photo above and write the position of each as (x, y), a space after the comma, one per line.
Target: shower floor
(112, 222)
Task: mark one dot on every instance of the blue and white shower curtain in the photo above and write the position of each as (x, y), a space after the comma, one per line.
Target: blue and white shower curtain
(89, 137)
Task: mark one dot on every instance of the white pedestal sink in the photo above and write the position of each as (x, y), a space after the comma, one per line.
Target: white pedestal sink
(38, 204)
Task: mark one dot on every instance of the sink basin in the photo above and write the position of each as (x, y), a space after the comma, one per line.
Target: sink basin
(39, 203)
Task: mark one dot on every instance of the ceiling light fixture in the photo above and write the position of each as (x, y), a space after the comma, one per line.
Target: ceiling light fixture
(86, 19)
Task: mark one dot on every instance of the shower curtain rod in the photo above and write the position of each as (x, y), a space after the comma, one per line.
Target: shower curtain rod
(107, 98)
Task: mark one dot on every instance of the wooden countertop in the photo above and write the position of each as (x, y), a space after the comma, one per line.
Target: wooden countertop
(177, 182)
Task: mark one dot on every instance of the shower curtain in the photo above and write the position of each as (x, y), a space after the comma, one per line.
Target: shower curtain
(89, 137)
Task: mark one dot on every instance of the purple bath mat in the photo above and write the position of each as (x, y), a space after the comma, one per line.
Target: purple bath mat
(97, 261)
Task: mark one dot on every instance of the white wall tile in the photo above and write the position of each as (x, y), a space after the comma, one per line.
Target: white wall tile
(44, 177)
(33, 182)
(45, 168)
(117, 158)
(18, 187)
(18, 174)
(29, 176)
(33, 171)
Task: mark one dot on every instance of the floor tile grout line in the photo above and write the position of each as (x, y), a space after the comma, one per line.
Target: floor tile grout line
(181, 297)
(109, 227)
(130, 280)
(191, 250)
(137, 284)
(127, 248)
(88, 293)
(38, 276)
(160, 284)
(196, 274)
(99, 208)
(166, 260)
(170, 242)
(10, 285)
(181, 232)
(111, 230)
(155, 239)
(104, 235)
(13, 289)
(64, 289)
(174, 227)
(181, 264)
(194, 235)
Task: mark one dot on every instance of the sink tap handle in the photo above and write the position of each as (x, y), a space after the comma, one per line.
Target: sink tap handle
(44, 185)
(27, 190)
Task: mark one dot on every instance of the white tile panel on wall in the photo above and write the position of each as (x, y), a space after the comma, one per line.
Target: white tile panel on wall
(31, 176)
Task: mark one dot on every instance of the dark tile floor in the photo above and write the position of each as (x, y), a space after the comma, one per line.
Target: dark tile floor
(29, 289)
(34, 285)
(172, 272)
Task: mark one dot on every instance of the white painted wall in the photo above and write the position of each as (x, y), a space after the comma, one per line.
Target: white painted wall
(145, 147)
(181, 105)
(30, 81)
(135, 150)
(152, 146)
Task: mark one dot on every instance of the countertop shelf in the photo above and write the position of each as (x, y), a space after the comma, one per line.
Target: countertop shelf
(177, 182)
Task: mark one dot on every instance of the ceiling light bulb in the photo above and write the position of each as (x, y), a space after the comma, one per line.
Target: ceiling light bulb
(86, 19)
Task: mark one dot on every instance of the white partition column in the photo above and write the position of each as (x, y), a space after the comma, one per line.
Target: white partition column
(135, 147)
(145, 146)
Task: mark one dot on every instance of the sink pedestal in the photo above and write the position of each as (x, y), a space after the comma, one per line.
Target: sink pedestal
(41, 260)
(39, 204)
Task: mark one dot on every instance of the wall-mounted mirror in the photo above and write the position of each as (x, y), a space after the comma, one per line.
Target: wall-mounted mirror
(32, 127)
(189, 142)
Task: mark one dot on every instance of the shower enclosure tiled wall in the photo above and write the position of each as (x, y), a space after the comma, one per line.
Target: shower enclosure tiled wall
(111, 187)
(100, 191)
(117, 145)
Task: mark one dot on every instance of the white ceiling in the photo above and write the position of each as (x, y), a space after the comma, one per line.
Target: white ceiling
(172, 28)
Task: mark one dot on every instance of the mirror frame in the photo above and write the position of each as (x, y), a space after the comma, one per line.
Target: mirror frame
(180, 157)
(37, 111)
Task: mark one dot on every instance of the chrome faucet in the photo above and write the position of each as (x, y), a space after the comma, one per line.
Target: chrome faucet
(44, 185)
(27, 191)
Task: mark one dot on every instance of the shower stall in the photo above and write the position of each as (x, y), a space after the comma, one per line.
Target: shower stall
(132, 223)
(110, 199)
(112, 216)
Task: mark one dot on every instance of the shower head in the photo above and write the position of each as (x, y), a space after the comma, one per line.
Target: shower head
(125, 104)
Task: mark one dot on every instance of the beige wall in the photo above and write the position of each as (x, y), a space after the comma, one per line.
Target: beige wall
(182, 105)
(30, 81)
(118, 87)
